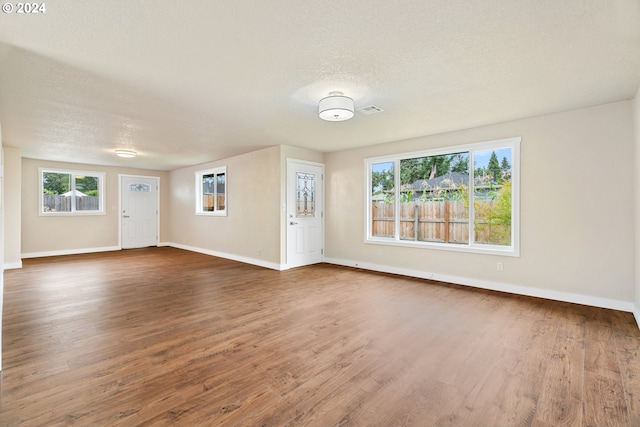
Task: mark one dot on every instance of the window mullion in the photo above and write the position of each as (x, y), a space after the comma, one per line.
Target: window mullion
(471, 196)
(215, 196)
(72, 187)
(215, 192)
(396, 196)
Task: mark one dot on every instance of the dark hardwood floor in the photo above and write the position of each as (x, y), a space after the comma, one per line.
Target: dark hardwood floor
(162, 336)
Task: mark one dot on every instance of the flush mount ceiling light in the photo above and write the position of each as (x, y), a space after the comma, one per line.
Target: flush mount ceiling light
(127, 154)
(336, 107)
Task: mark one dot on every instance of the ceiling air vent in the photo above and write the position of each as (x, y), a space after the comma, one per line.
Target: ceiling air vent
(370, 109)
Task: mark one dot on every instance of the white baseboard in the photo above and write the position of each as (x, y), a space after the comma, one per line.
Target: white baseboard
(636, 314)
(495, 286)
(12, 265)
(247, 260)
(71, 252)
(233, 257)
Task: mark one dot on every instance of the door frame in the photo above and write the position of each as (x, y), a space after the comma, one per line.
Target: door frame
(157, 180)
(287, 201)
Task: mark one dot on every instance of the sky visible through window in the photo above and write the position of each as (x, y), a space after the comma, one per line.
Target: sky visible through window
(379, 167)
(481, 159)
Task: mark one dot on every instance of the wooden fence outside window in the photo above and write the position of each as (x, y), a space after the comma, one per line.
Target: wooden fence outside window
(441, 221)
(61, 203)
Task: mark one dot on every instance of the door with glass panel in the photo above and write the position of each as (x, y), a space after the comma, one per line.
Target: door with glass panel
(305, 213)
(138, 211)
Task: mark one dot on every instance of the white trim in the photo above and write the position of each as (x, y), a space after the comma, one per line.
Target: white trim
(233, 257)
(246, 260)
(13, 265)
(71, 252)
(489, 250)
(636, 314)
(495, 286)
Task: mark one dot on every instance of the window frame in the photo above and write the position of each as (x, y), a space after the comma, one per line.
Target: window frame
(481, 248)
(221, 170)
(74, 174)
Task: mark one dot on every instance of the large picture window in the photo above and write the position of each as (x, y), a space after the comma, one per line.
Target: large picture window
(211, 197)
(463, 198)
(68, 192)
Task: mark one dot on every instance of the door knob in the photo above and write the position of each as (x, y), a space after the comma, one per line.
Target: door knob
(293, 223)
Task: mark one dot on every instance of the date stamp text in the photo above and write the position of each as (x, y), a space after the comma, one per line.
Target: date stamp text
(24, 8)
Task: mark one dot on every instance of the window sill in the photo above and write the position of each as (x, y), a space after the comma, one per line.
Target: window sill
(88, 213)
(215, 213)
(509, 251)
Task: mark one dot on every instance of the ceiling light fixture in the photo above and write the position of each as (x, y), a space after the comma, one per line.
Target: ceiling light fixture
(127, 154)
(336, 107)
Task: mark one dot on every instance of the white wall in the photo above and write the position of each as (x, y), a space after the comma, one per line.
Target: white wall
(636, 120)
(577, 210)
(47, 235)
(12, 207)
(251, 230)
(1, 239)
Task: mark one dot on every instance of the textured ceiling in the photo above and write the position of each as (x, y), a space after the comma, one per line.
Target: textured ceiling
(187, 82)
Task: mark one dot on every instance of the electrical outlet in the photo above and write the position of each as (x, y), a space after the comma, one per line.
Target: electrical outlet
(500, 266)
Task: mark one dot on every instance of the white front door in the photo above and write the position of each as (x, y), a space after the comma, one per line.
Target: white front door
(138, 211)
(305, 213)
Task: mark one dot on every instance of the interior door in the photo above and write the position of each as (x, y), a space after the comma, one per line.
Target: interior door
(305, 213)
(139, 211)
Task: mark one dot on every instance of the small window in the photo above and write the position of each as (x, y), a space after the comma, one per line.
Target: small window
(211, 192)
(305, 195)
(461, 198)
(141, 187)
(67, 192)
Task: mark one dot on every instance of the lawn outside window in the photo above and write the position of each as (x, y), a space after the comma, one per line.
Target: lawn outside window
(463, 198)
(211, 196)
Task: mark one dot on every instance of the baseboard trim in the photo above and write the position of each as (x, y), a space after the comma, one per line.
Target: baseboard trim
(233, 257)
(495, 286)
(13, 265)
(636, 314)
(71, 252)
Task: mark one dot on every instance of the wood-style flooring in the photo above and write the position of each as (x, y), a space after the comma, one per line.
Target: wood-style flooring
(162, 336)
